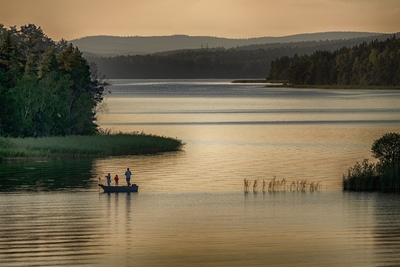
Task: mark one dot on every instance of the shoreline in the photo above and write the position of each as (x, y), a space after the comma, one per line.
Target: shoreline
(286, 84)
(260, 81)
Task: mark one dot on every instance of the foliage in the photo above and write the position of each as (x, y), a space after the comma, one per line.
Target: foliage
(384, 175)
(375, 63)
(45, 86)
(387, 149)
(362, 177)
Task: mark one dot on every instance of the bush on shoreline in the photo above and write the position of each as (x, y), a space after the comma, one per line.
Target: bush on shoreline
(100, 145)
(380, 176)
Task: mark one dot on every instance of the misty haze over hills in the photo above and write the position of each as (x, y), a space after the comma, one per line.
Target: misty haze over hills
(138, 45)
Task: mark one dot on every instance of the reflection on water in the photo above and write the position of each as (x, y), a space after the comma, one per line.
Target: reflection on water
(328, 228)
(191, 209)
(387, 229)
(71, 174)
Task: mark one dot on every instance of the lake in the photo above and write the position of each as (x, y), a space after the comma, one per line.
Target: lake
(191, 208)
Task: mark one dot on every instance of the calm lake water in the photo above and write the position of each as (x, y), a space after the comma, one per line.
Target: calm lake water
(191, 209)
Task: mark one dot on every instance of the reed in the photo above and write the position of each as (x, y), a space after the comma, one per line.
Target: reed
(276, 185)
(255, 186)
(87, 146)
(247, 184)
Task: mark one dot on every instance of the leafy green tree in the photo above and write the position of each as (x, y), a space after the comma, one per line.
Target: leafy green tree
(45, 87)
(387, 149)
(48, 63)
(58, 96)
(11, 60)
(86, 94)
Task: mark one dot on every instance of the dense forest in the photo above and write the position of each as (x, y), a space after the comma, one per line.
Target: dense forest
(376, 63)
(251, 61)
(46, 87)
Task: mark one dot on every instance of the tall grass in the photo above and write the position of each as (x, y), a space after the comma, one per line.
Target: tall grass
(276, 185)
(106, 144)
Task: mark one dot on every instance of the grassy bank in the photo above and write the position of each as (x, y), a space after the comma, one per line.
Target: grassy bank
(86, 146)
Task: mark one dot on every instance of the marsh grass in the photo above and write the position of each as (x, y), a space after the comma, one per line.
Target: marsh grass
(101, 145)
(276, 185)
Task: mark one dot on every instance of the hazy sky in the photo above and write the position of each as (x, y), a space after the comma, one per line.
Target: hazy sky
(70, 19)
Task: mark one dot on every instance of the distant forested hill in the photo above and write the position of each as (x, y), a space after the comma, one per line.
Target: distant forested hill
(376, 63)
(139, 45)
(250, 61)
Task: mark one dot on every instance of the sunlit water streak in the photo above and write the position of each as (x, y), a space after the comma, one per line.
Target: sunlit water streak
(191, 209)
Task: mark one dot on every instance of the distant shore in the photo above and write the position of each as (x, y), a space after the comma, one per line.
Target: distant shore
(260, 81)
(286, 84)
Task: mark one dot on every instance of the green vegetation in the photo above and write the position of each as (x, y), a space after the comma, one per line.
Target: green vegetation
(49, 95)
(46, 88)
(384, 175)
(249, 62)
(367, 64)
(99, 145)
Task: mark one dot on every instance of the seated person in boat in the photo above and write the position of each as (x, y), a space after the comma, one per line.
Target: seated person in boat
(116, 179)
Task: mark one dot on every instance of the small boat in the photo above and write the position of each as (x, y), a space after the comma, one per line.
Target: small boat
(120, 189)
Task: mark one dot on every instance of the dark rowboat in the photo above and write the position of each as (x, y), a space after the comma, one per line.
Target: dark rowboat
(120, 189)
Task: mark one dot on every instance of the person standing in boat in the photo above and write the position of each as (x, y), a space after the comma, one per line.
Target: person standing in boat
(116, 179)
(108, 177)
(128, 176)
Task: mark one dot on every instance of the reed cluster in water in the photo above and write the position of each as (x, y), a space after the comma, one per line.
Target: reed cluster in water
(87, 146)
(276, 185)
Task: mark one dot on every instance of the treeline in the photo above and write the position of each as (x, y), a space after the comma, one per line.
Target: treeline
(46, 87)
(376, 63)
(253, 61)
(189, 64)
